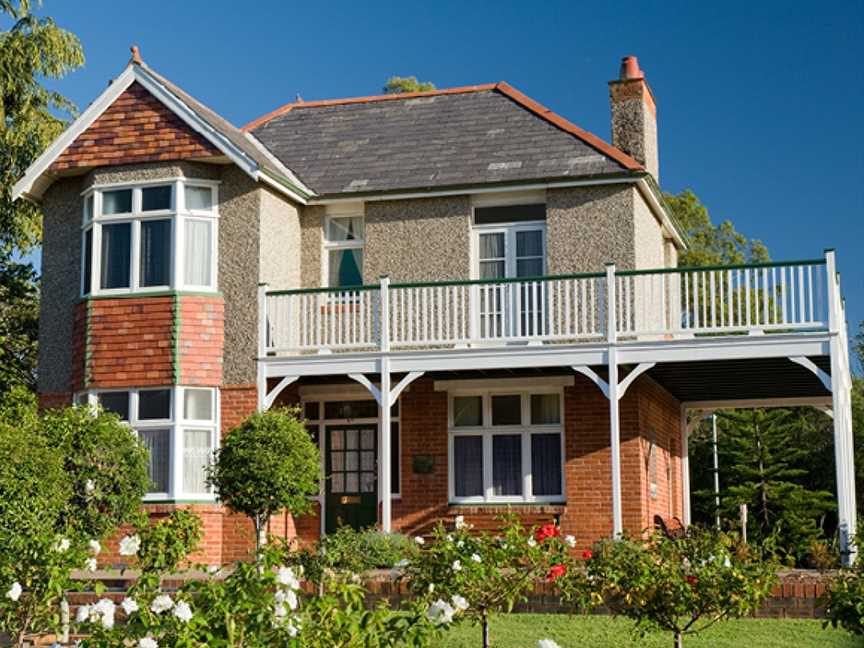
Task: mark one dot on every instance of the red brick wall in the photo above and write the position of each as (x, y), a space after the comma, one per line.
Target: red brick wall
(202, 336)
(54, 400)
(131, 342)
(660, 411)
(136, 128)
(424, 432)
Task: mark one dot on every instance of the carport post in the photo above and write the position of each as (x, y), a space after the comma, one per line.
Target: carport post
(841, 405)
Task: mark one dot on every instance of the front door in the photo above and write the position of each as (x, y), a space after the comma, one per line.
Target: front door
(352, 476)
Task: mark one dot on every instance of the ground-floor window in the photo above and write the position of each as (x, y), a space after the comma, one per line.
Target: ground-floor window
(177, 425)
(506, 446)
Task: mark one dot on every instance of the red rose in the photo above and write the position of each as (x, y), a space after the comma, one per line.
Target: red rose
(587, 555)
(692, 580)
(556, 571)
(546, 531)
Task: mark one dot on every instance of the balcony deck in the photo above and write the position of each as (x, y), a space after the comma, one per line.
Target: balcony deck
(648, 315)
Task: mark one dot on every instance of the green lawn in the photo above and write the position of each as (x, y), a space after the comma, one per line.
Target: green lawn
(523, 631)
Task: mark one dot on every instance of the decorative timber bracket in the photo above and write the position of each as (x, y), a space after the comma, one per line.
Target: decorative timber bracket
(622, 386)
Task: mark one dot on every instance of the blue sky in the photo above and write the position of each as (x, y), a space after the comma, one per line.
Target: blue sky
(760, 104)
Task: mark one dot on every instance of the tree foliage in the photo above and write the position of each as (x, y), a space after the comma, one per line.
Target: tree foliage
(711, 244)
(397, 84)
(32, 50)
(265, 465)
(844, 600)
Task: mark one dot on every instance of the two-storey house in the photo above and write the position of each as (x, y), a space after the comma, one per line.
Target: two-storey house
(476, 303)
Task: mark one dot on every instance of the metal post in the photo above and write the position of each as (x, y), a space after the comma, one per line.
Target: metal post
(262, 345)
(716, 471)
(614, 422)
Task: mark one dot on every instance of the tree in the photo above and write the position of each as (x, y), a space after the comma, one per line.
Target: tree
(31, 117)
(767, 471)
(397, 84)
(711, 244)
(105, 463)
(265, 465)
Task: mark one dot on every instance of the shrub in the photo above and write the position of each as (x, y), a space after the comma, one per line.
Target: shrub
(680, 585)
(106, 464)
(844, 600)
(265, 465)
(476, 574)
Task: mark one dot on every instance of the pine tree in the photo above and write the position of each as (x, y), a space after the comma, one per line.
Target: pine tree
(766, 460)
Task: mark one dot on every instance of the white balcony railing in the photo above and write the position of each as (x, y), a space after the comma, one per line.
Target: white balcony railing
(758, 298)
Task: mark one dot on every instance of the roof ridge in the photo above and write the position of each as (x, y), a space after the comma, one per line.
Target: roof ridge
(255, 123)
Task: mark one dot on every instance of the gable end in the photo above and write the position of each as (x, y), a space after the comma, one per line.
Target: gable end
(135, 128)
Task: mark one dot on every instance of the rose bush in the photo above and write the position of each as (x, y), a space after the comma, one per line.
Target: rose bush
(464, 574)
(681, 585)
(844, 599)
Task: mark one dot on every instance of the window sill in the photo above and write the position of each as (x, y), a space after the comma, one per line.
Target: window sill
(153, 293)
(503, 504)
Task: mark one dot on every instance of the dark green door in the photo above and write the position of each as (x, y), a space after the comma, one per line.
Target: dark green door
(352, 476)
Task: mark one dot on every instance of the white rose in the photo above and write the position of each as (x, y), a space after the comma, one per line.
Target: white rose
(83, 614)
(147, 642)
(532, 542)
(161, 603)
(95, 547)
(285, 576)
(288, 597)
(457, 566)
(571, 542)
(460, 603)
(460, 522)
(14, 592)
(476, 558)
(62, 545)
(182, 611)
(90, 564)
(419, 540)
(105, 608)
(89, 487)
(129, 605)
(130, 545)
(440, 612)
(547, 643)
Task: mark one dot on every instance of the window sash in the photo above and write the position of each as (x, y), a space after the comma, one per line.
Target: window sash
(167, 242)
(506, 486)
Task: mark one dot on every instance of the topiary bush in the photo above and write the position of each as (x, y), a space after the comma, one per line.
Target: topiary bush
(265, 465)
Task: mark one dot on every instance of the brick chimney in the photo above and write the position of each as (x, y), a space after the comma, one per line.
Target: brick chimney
(634, 116)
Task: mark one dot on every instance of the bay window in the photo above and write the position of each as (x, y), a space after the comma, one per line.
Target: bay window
(177, 425)
(506, 447)
(149, 237)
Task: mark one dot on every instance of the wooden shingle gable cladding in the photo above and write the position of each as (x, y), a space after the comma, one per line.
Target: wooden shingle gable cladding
(136, 128)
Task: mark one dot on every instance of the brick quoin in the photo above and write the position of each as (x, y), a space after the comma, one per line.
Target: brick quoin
(202, 338)
(136, 128)
(54, 400)
(131, 342)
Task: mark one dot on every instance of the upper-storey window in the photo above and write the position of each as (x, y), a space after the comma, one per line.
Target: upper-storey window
(343, 247)
(149, 237)
(510, 241)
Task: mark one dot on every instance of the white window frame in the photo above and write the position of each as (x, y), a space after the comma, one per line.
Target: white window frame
(328, 245)
(487, 431)
(176, 424)
(177, 214)
(509, 230)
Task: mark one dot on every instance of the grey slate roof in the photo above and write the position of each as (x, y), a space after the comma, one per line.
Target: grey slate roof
(238, 138)
(426, 142)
